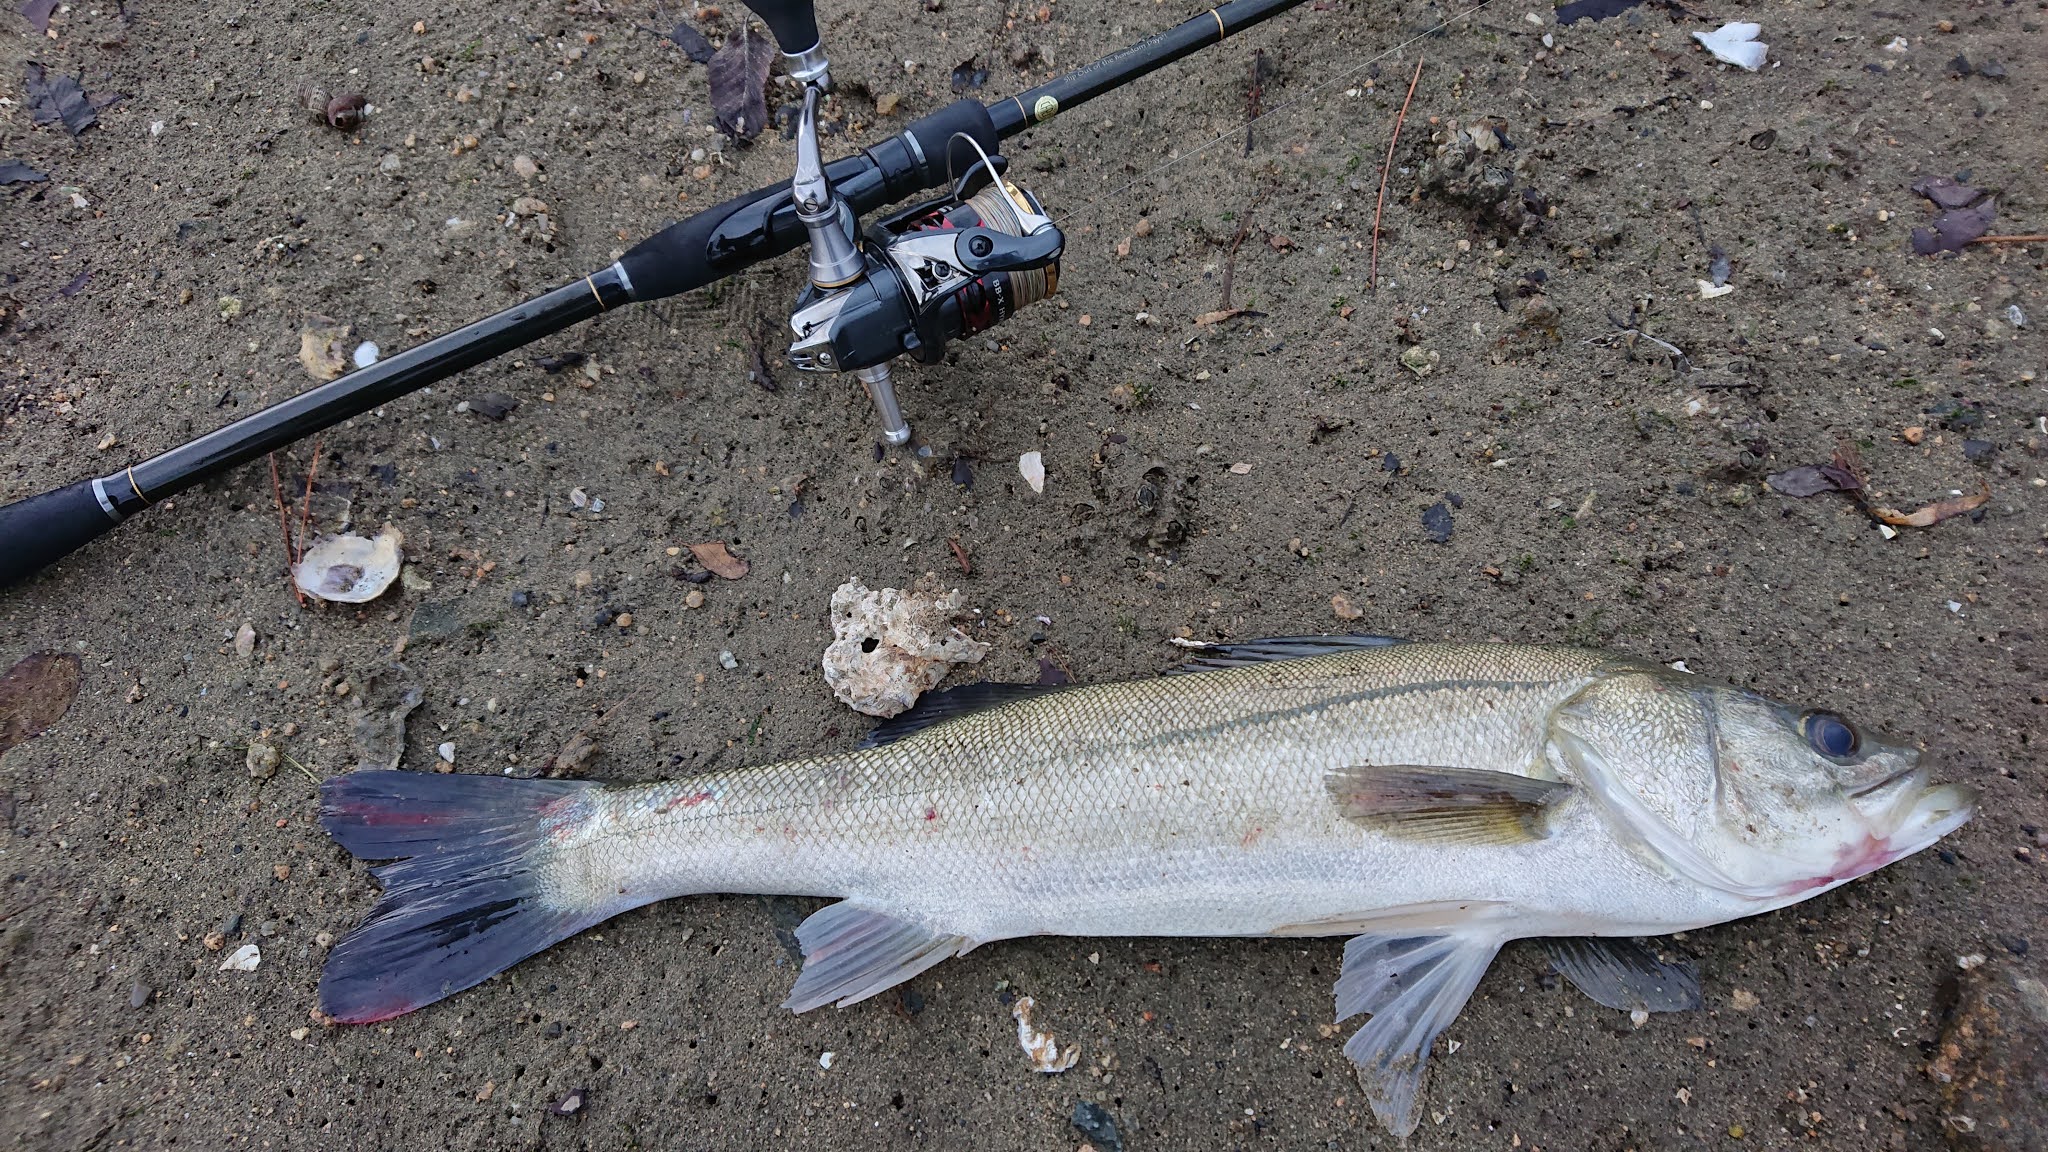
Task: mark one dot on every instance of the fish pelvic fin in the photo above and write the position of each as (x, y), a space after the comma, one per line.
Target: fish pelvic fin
(1625, 975)
(465, 899)
(1413, 986)
(852, 953)
(1445, 805)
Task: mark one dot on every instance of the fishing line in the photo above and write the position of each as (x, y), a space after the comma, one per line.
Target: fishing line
(1084, 211)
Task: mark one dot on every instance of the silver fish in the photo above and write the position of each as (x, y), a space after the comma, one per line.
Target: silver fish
(1431, 801)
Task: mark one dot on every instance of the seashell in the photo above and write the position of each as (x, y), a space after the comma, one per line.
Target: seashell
(350, 569)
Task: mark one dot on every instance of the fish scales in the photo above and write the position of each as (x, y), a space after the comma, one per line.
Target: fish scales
(1174, 806)
(1431, 801)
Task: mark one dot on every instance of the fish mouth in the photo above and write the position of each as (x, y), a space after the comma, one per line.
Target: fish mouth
(1915, 815)
(1935, 812)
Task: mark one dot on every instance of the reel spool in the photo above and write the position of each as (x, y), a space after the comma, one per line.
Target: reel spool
(987, 300)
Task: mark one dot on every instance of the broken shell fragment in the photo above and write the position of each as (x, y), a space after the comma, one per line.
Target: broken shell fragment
(1045, 1051)
(1031, 466)
(891, 645)
(1735, 44)
(349, 569)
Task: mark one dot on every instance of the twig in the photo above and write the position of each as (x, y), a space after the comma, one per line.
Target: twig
(1372, 276)
(1230, 261)
(284, 528)
(2031, 238)
(306, 513)
(1251, 114)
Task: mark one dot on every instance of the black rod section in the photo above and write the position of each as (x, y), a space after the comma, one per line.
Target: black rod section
(1053, 97)
(715, 243)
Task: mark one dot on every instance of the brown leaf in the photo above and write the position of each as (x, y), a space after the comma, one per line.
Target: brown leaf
(35, 694)
(1218, 316)
(1279, 243)
(739, 81)
(713, 555)
(1934, 513)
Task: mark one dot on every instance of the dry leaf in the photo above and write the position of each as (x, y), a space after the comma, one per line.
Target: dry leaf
(323, 348)
(714, 556)
(739, 80)
(1218, 316)
(1933, 513)
(35, 694)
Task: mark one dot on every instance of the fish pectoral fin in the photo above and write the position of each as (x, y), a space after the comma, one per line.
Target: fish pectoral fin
(1625, 975)
(951, 704)
(1445, 805)
(851, 953)
(1209, 657)
(1413, 986)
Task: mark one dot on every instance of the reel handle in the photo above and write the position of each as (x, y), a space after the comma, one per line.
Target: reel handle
(794, 24)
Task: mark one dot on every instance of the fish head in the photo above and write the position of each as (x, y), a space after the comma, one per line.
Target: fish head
(1742, 794)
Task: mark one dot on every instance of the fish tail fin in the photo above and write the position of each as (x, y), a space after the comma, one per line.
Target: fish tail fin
(467, 896)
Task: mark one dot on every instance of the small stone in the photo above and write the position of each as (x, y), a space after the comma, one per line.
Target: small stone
(624, 620)
(1743, 1000)
(1913, 434)
(1143, 228)
(1341, 605)
(886, 103)
(139, 994)
(728, 661)
(262, 759)
(365, 354)
(243, 959)
(301, 1033)
(524, 167)
(825, 1060)
(446, 751)
(281, 872)
(695, 598)
(245, 640)
(580, 580)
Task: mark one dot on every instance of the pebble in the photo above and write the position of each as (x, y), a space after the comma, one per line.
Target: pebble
(262, 759)
(695, 599)
(245, 640)
(1031, 466)
(243, 959)
(625, 620)
(139, 994)
(825, 1060)
(524, 167)
(365, 354)
(728, 661)
(447, 751)
(1343, 608)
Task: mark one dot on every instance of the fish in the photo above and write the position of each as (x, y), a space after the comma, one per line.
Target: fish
(1430, 801)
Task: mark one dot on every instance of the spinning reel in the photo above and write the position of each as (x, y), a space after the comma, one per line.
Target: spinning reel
(937, 271)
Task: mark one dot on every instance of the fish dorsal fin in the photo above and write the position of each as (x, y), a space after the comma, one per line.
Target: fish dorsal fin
(1413, 986)
(851, 953)
(1209, 657)
(951, 704)
(1625, 975)
(1445, 805)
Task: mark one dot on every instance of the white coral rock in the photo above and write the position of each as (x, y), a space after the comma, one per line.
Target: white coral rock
(891, 645)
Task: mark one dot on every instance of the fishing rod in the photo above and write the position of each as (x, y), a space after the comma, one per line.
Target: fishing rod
(905, 285)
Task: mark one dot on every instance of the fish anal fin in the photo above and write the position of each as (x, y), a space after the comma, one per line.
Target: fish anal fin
(852, 953)
(1445, 805)
(1210, 657)
(1413, 986)
(951, 704)
(1625, 975)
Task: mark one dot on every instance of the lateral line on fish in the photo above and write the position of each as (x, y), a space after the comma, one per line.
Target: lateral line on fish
(718, 810)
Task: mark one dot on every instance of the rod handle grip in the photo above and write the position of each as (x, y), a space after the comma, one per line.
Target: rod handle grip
(37, 531)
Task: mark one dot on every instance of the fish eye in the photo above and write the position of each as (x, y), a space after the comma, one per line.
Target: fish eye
(1830, 735)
